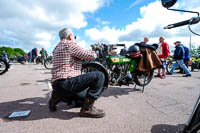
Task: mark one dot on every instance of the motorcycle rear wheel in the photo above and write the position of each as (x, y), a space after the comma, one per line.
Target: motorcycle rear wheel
(92, 67)
(48, 63)
(143, 78)
(168, 65)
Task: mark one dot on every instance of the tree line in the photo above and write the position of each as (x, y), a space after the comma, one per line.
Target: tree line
(195, 51)
(12, 51)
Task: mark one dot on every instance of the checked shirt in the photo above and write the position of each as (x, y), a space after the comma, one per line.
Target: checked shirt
(67, 60)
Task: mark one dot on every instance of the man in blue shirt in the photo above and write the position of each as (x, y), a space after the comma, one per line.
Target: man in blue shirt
(186, 59)
(179, 56)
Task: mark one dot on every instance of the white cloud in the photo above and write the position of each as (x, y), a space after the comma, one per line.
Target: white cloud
(106, 34)
(189, 4)
(35, 23)
(45, 36)
(99, 21)
(82, 43)
(105, 22)
(153, 18)
(44, 39)
(135, 3)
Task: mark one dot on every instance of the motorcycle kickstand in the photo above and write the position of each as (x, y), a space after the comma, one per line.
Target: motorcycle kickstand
(134, 87)
(143, 84)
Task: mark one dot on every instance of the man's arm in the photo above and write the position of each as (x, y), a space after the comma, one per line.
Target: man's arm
(81, 53)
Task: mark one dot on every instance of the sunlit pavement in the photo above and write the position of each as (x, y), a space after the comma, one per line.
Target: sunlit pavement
(163, 107)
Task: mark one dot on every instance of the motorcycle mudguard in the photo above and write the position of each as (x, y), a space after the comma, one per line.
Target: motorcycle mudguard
(100, 67)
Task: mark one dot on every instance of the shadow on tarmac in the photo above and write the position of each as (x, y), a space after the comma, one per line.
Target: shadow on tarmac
(39, 106)
(45, 80)
(163, 128)
(39, 109)
(117, 91)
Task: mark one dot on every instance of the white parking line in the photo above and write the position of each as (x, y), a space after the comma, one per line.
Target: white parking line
(49, 84)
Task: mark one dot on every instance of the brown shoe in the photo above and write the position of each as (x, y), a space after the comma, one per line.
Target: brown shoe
(163, 76)
(158, 75)
(54, 100)
(88, 109)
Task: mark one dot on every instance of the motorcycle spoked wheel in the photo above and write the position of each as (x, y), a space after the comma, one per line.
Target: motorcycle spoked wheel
(195, 65)
(48, 64)
(3, 66)
(92, 67)
(169, 66)
(192, 129)
(196, 129)
(143, 78)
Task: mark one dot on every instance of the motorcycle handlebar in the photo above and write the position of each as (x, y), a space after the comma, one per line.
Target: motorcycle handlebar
(120, 45)
(194, 20)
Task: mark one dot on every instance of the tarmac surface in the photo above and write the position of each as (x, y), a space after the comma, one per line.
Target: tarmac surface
(164, 106)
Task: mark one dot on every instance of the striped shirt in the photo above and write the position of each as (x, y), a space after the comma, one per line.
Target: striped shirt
(67, 60)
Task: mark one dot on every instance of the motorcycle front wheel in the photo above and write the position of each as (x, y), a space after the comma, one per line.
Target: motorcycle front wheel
(143, 78)
(3, 66)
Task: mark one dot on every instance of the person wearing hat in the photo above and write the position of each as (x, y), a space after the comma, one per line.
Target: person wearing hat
(67, 80)
(179, 55)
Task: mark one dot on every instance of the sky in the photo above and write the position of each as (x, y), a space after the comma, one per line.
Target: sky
(35, 23)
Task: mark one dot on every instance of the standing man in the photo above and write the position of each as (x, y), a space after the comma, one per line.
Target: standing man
(34, 54)
(67, 79)
(179, 55)
(5, 56)
(146, 39)
(163, 53)
(186, 59)
(187, 55)
(30, 56)
(44, 55)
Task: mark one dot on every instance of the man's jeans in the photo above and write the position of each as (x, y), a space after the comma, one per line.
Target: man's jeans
(181, 64)
(86, 85)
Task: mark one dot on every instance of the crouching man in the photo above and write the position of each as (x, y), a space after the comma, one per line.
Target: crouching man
(67, 79)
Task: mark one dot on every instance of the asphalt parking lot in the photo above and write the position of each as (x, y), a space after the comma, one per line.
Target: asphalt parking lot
(163, 107)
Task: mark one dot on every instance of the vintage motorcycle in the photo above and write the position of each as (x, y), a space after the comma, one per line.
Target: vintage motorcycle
(195, 62)
(193, 123)
(119, 70)
(4, 65)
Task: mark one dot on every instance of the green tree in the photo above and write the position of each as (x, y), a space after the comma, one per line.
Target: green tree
(12, 51)
(198, 50)
(19, 51)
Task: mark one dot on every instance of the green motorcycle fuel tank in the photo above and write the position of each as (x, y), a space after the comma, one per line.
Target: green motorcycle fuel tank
(118, 59)
(113, 59)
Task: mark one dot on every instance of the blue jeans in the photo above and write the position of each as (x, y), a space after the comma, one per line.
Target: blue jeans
(181, 64)
(86, 85)
(163, 64)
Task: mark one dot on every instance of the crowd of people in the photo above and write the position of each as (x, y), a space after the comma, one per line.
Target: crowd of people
(34, 54)
(67, 80)
(181, 56)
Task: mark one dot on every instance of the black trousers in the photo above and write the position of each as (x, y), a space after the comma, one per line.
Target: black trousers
(86, 85)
